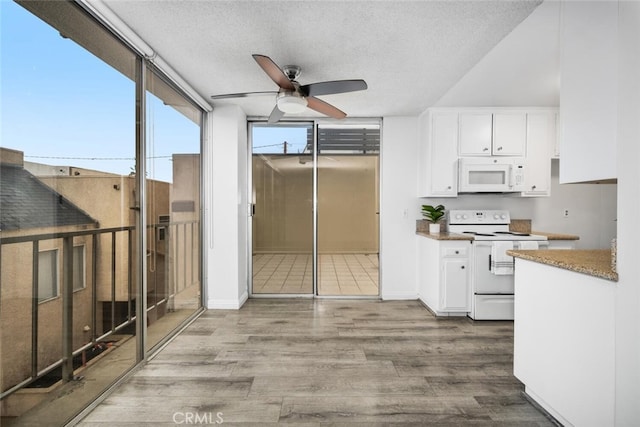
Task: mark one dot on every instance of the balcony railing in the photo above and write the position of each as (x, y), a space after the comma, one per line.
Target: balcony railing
(179, 239)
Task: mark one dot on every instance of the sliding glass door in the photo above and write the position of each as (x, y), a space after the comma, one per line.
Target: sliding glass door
(282, 197)
(348, 199)
(315, 218)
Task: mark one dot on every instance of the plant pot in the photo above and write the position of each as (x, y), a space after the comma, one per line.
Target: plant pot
(434, 228)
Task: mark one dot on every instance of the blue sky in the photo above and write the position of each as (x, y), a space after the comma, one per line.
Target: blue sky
(61, 105)
(271, 139)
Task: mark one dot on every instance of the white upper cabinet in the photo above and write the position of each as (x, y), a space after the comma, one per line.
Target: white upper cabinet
(509, 134)
(497, 134)
(439, 163)
(448, 134)
(588, 91)
(541, 136)
(475, 134)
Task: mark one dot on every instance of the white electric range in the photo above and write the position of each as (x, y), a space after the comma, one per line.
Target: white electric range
(492, 283)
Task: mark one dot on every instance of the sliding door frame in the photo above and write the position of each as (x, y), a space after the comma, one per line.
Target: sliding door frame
(316, 123)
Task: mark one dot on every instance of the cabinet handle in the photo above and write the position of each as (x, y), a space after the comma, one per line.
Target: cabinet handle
(462, 267)
(533, 187)
(485, 149)
(457, 252)
(449, 188)
(499, 148)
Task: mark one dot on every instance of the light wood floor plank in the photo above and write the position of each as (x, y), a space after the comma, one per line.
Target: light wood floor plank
(329, 362)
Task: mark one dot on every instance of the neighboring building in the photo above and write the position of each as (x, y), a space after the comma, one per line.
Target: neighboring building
(28, 207)
(39, 200)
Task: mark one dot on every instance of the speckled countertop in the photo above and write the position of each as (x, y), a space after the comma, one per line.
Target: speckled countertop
(556, 236)
(594, 262)
(457, 236)
(444, 236)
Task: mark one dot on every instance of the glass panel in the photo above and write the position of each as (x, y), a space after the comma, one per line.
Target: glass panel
(173, 209)
(348, 200)
(487, 177)
(47, 275)
(68, 148)
(282, 230)
(78, 268)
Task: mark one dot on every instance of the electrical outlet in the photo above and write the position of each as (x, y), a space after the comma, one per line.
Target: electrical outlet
(565, 213)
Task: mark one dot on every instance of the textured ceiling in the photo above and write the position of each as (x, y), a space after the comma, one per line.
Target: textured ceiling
(409, 52)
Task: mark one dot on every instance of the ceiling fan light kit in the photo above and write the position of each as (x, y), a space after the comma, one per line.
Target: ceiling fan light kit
(291, 102)
(293, 98)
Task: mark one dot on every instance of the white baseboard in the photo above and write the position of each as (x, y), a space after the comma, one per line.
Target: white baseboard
(391, 297)
(228, 304)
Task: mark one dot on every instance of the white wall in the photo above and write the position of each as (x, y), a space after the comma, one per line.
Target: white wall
(592, 209)
(226, 211)
(399, 208)
(627, 349)
(522, 69)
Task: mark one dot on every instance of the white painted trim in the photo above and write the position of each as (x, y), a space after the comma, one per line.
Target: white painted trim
(390, 297)
(228, 304)
(118, 26)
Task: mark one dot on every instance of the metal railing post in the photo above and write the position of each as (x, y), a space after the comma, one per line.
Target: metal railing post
(113, 281)
(94, 288)
(34, 308)
(67, 309)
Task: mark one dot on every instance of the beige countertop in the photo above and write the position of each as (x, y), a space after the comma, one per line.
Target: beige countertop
(594, 262)
(457, 236)
(556, 236)
(444, 236)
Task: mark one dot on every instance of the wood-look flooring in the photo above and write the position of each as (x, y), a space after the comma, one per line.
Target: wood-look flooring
(327, 362)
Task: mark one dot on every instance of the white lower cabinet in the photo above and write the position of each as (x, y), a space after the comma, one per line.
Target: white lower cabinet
(564, 343)
(444, 276)
(455, 289)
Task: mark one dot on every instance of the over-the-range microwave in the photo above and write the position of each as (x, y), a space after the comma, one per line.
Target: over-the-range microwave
(491, 174)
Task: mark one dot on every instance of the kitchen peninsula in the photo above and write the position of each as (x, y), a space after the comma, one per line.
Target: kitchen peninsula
(564, 331)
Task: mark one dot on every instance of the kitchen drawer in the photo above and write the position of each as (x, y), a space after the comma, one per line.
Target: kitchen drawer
(493, 307)
(455, 252)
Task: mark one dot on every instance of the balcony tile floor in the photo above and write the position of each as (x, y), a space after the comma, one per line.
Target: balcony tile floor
(339, 274)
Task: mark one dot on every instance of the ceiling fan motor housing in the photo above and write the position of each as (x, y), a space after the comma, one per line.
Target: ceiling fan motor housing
(292, 71)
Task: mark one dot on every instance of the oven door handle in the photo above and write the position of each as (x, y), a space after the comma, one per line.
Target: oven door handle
(489, 262)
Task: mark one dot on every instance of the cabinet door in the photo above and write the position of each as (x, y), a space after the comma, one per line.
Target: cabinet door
(540, 140)
(475, 134)
(443, 161)
(455, 285)
(509, 134)
(588, 90)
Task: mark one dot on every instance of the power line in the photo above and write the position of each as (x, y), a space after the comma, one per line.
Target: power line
(94, 158)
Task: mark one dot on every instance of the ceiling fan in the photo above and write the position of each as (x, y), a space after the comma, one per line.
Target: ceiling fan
(294, 98)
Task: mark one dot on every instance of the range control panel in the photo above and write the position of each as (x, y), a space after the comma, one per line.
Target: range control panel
(483, 216)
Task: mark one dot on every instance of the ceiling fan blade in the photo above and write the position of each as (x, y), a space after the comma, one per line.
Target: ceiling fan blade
(273, 71)
(324, 108)
(275, 115)
(336, 86)
(242, 95)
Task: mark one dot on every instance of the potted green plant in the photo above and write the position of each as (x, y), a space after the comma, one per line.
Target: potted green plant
(433, 214)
